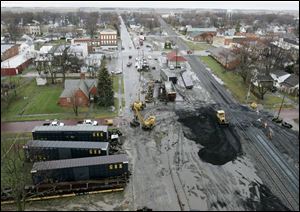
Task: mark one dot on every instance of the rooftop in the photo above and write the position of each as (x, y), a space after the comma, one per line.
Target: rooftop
(79, 162)
(4, 47)
(67, 144)
(70, 128)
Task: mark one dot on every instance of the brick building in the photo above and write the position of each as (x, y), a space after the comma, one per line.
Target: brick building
(81, 91)
(109, 39)
(225, 57)
(175, 59)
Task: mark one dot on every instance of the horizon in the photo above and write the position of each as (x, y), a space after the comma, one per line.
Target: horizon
(228, 5)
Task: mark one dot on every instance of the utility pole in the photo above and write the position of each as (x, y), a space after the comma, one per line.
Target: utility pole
(281, 106)
(252, 79)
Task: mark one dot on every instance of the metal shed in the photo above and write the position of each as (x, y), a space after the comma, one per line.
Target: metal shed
(39, 150)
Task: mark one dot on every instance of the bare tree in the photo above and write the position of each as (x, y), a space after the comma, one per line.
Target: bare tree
(15, 174)
(92, 23)
(75, 102)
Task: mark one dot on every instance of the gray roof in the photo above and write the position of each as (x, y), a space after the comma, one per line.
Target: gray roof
(73, 85)
(86, 127)
(292, 81)
(221, 52)
(202, 29)
(79, 162)
(67, 144)
(4, 47)
(187, 79)
(279, 73)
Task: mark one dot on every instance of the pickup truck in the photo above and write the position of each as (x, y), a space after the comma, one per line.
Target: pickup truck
(88, 121)
(54, 123)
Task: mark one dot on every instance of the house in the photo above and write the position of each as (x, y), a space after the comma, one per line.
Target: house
(109, 39)
(8, 51)
(44, 50)
(82, 91)
(79, 50)
(175, 60)
(201, 34)
(225, 57)
(279, 77)
(291, 85)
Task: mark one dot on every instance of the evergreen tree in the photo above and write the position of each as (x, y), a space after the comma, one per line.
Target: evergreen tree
(105, 93)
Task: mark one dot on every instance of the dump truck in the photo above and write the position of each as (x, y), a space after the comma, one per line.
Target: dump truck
(221, 118)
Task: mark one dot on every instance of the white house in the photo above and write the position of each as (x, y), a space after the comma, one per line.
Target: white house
(279, 77)
(80, 50)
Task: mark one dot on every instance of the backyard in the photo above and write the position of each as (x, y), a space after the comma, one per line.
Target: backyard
(234, 83)
(197, 46)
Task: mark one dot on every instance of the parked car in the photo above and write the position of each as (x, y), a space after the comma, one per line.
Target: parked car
(91, 122)
(153, 68)
(130, 56)
(287, 125)
(189, 52)
(116, 72)
(149, 57)
(55, 122)
(129, 64)
(172, 67)
(156, 58)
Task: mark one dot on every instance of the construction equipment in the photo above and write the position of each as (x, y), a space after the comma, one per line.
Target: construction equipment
(253, 105)
(147, 124)
(221, 118)
(109, 122)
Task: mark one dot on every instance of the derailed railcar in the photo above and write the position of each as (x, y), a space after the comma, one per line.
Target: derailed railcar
(39, 150)
(71, 133)
(80, 169)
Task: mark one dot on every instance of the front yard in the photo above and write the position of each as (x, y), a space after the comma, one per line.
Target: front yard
(234, 83)
(40, 103)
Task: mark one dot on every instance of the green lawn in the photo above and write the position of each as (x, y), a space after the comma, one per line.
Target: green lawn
(238, 88)
(197, 46)
(40, 103)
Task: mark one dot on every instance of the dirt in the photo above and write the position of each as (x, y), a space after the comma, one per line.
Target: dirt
(203, 128)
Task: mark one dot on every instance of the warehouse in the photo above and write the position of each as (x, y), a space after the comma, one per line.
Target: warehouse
(71, 133)
(38, 150)
(89, 168)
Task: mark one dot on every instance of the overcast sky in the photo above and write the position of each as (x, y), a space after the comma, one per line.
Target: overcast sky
(267, 5)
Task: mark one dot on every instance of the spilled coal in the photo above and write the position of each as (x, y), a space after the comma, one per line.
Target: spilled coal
(202, 127)
(267, 202)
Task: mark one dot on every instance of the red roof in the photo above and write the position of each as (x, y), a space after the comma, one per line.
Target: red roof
(172, 57)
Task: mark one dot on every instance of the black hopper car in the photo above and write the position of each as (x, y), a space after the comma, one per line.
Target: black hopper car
(38, 150)
(71, 133)
(80, 169)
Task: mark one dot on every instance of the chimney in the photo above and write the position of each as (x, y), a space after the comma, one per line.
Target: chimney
(82, 76)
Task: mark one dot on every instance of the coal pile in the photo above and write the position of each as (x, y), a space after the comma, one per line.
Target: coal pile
(203, 128)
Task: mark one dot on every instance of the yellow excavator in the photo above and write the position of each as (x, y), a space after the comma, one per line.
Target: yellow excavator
(221, 118)
(147, 124)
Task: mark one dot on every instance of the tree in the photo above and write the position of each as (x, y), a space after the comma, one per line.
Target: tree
(105, 94)
(15, 174)
(75, 102)
(92, 23)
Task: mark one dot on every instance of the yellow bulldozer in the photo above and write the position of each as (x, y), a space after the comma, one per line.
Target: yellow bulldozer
(221, 118)
(147, 124)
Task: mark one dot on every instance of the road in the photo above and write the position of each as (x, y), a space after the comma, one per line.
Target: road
(287, 190)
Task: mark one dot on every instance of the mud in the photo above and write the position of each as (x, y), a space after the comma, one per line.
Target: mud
(202, 127)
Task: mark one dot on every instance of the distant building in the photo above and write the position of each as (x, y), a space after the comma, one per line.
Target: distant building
(32, 29)
(80, 50)
(80, 90)
(291, 85)
(279, 77)
(225, 57)
(108, 39)
(16, 64)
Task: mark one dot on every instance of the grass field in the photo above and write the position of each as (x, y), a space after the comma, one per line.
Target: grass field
(238, 88)
(197, 46)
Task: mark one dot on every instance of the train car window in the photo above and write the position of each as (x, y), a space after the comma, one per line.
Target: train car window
(111, 166)
(116, 166)
(99, 152)
(120, 166)
(101, 134)
(91, 151)
(95, 151)
(94, 134)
